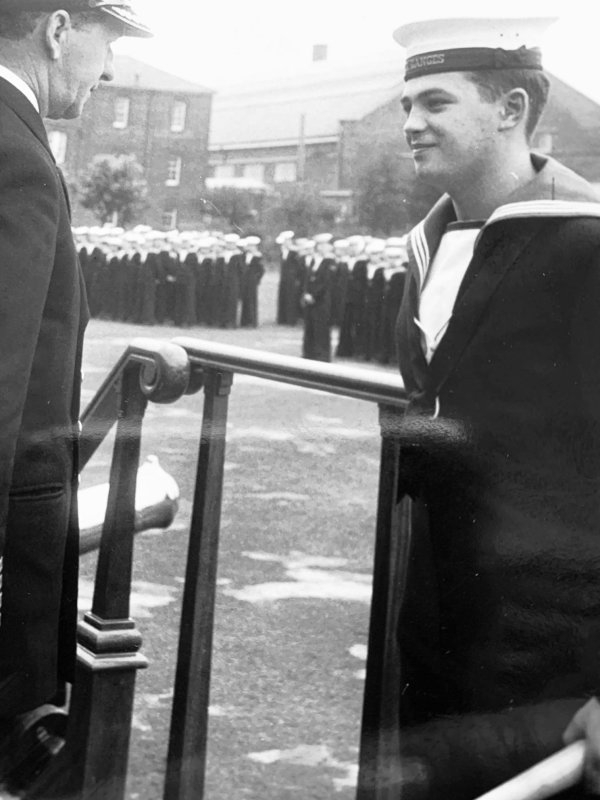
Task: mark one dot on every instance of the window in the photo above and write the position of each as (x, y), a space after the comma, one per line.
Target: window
(178, 115)
(169, 219)
(254, 171)
(284, 172)
(121, 119)
(173, 172)
(58, 145)
(224, 171)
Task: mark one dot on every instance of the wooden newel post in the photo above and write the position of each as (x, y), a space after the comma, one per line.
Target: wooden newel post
(186, 760)
(378, 777)
(93, 763)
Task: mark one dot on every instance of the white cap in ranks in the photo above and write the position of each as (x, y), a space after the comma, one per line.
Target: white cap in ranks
(284, 237)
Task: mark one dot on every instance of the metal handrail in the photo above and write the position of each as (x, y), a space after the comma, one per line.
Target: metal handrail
(94, 761)
(361, 384)
(164, 378)
(213, 367)
(560, 771)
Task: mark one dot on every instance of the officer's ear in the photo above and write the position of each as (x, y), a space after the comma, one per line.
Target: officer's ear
(56, 31)
(514, 109)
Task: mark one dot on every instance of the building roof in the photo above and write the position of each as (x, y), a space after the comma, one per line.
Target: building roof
(272, 113)
(580, 106)
(133, 74)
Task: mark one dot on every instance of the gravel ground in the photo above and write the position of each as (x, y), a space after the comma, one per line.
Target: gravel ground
(294, 576)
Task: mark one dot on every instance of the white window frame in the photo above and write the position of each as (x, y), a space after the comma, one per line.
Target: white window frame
(121, 112)
(224, 171)
(255, 172)
(169, 219)
(174, 171)
(289, 170)
(178, 116)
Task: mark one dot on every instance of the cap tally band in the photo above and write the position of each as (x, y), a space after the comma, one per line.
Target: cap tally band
(467, 59)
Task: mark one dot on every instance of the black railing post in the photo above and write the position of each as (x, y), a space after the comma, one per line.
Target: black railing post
(186, 760)
(379, 741)
(94, 764)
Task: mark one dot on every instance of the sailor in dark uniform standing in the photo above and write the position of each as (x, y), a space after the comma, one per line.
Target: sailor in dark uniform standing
(252, 271)
(499, 627)
(316, 300)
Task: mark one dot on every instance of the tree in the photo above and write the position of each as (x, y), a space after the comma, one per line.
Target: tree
(232, 205)
(390, 199)
(301, 209)
(114, 188)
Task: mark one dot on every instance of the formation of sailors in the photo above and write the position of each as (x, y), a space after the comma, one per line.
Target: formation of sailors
(354, 284)
(181, 278)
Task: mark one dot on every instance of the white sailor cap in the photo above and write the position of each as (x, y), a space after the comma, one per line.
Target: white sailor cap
(250, 241)
(284, 236)
(231, 238)
(467, 44)
(358, 241)
(395, 241)
(322, 238)
(305, 244)
(395, 252)
(375, 246)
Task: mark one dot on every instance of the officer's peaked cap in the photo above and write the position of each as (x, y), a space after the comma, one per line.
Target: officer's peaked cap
(120, 10)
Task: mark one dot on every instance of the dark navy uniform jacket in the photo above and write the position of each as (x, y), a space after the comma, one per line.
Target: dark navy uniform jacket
(43, 313)
(501, 464)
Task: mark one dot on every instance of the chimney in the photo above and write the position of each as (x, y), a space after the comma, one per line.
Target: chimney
(319, 52)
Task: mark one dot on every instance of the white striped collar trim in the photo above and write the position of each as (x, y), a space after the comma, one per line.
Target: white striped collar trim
(519, 210)
(420, 250)
(545, 208)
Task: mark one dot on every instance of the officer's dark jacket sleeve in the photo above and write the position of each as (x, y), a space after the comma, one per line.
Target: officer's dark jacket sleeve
(28, 228)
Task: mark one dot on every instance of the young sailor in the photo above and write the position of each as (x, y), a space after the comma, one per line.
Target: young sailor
(498, 346)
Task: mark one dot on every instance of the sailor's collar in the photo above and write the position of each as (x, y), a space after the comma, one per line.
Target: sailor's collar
(554, 192)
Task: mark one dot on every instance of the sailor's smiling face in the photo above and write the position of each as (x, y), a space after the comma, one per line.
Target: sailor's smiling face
(453, 132)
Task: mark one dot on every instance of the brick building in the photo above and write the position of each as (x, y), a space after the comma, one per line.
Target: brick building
(312, 128)
(162, 119)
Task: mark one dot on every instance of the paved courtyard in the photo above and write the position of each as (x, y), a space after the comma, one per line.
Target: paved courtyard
(294, 576)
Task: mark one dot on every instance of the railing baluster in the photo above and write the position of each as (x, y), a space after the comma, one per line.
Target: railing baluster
(379, 741)
(186, 759)
(113, 576)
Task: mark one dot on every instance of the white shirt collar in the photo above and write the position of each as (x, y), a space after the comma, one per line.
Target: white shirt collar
(19, 84)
